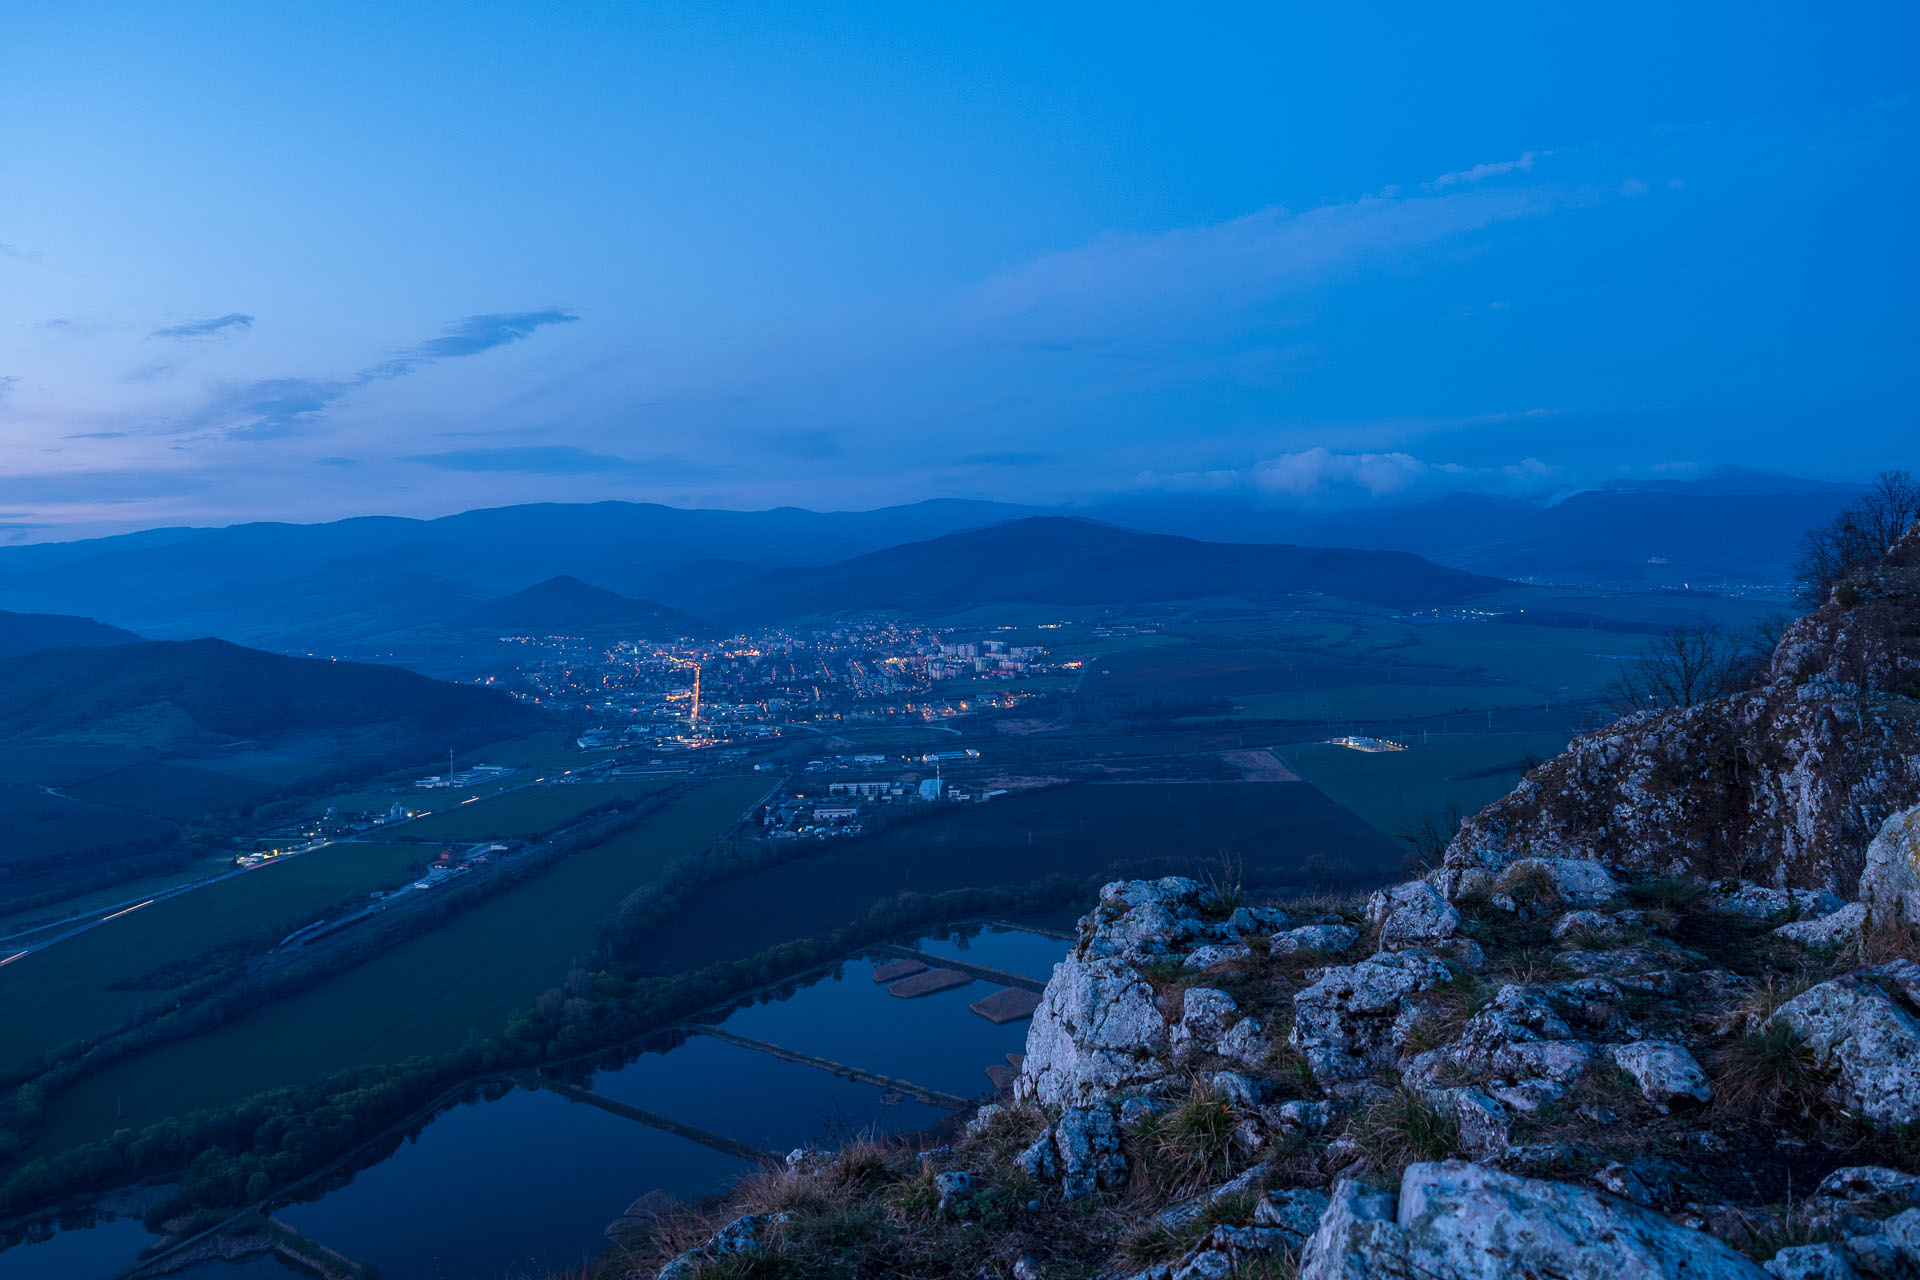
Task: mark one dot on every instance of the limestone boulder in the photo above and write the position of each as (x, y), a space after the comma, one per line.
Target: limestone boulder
(1314, 939)
(1861, 1031)
(1665, 1072)
(1087, 1142)
(1414, 914)
(1890, 883)
(1343, 1022)
(1152, 919)
(1098, 1030)
(1563, 882)
(1468, 1222)
(1828, 932)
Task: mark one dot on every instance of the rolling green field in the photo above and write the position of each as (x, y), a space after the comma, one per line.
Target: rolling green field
(180, 793)
(121, 894)
(59, 764)
(527, 811)
(36, 823)
(1395, 788)
(426, 995)
(64, 992)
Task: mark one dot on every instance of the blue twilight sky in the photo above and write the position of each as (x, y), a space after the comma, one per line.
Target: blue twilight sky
(309, 260)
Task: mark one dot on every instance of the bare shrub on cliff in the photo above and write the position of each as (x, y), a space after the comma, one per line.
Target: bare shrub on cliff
(1860, 534)
(1685, 665)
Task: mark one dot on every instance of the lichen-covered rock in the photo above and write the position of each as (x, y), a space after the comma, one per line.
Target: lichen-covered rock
(1144, 919)
(1414, 914)
(1257, 921)
(1343, 1023)
(953, 1187)
(1237, 1089)
(1314, 939)
(1087, 1140)
(745, 1234)
(1665, 1071)
(1811, 1262)
(1485, 1125)
(1214, 954)
(1098, 1029)
(1467, 1222)
(1824, 933)
(1564, 882)
(1589, 924)
(1864, 1039)
(1295, 1213)
(1204, 1018)
(1040, 1160)
(1890, 883)
(1518, 1047)
(1773, 905)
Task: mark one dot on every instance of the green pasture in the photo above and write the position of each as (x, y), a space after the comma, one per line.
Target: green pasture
(35, 823)
(525, 812)
(178, 792)
(1394, 789)
(427, 995)
(65, 992)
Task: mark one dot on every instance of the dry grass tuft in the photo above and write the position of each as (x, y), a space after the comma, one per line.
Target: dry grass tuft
(1402, 1129)
(1189, 1147)
(1763, 1073)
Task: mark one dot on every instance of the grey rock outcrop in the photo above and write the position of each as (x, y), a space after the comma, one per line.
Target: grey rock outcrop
(1783, 785)
(1890, 884)
(1862, 1032)
(1468, 1222)
(1413, 914)
(1343, 1023)
(1098, 1030)
(1665, 1072)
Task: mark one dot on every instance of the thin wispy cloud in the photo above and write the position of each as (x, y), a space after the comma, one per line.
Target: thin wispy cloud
(1310, 475)
(568, 460)
(469, 337)
(276, 407)
(545, 460)
(1521, 163)
(1207, 272)
(194, 330)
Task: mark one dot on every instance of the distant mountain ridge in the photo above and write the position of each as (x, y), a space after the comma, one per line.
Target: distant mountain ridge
(1730, 527)
(385, 573)
(564, 605)
(29, 632)
(213, 690)
(373, 584)
(1061, 560)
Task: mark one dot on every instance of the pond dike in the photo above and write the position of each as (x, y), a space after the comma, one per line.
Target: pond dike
(249, 1238)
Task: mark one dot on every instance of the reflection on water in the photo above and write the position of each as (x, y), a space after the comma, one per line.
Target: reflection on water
(79, 1249)
(935, 1041)
(515, 1182)
(1031, 955)
(757, 1099)
(524, 1182)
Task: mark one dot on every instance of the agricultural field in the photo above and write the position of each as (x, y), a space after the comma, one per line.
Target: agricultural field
(427, 995)
(115, 895)
(40, 824)
(1279, 831)
(59, 764)
(1394, 789)
(176, 792)
(526, 811)
(88, 984)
